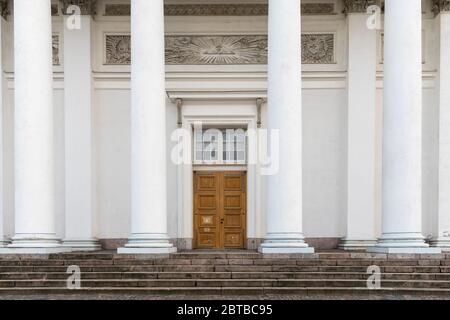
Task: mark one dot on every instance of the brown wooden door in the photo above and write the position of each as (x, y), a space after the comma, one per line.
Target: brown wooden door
(219, 210)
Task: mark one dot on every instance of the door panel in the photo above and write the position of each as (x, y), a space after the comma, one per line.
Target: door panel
(206, 212)
(219, 209)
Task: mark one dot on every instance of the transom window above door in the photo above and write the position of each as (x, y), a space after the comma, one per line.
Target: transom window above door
(220, 146)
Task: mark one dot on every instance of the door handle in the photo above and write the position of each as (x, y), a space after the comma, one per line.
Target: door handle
(222, 220)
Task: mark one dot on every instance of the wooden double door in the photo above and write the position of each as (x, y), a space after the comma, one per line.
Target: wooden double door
(219, 210)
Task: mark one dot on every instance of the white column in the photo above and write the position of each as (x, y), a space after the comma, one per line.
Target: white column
(79, 168)
(441, 227)
(35, 229)
(148, 131)
(402, 131)
(3, 240)
(284, 188)
(361, 90)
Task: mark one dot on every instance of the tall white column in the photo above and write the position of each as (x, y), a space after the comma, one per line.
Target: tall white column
(284, 188)
(3, 240)
(441, 225)
(402, 131)
(78, 94)
(361, 90)
(148, 131)
(35, 229)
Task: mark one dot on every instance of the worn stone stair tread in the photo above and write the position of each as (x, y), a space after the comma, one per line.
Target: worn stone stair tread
(357, 291)
(225, 283)
(227, 263)
(241, 273)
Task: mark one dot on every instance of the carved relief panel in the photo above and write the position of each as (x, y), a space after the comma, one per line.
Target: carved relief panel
(317, 48)
(216, 50)
(56, 50)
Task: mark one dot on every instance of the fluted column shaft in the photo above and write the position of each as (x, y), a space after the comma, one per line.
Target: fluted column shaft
(34, 163)
(148, 131)
(284, 187)
(402, 130)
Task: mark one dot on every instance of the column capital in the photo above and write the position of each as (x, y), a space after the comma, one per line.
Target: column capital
(360, 6)
(439, 6)
(87, 7)
(4, 8)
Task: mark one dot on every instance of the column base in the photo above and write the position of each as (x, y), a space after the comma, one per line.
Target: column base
(4, 243)
(402, 243)
(34, 244)
(36, 250)
(442, 242)
(412, 250)
(34, 241)
(356, 244)
(82, 244)
(148, 244)
(284, 243)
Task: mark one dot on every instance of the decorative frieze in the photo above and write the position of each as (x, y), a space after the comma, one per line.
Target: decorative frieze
(55, 49)
(87, 7)
(118, 49)
(4, 8)
(355, 6)
(54, 8)
(117, 9)
(318, 9)
(216, 10)
(439, 6)
(216, 50)
(317, 48)
(254, 9)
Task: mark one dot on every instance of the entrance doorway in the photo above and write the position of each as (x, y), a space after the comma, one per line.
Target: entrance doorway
(220, 209)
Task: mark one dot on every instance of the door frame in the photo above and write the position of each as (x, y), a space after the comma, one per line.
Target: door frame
(254, 223)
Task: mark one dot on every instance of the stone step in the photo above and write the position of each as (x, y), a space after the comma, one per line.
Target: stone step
(208, 292)
(228, 261)
(338, 255)
(225, 268)
(176, 283)
(221, 275)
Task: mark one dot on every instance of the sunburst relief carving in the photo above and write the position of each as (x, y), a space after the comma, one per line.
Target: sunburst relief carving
(216, 50)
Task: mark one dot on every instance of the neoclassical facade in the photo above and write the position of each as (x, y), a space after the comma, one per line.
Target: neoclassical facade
(280, 125)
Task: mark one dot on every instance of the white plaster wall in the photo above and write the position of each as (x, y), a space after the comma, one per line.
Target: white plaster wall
(112, 162)
(324, 162)
(172, 172)
(430, 163)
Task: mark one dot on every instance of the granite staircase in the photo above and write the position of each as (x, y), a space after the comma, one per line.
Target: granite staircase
(211, 274)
